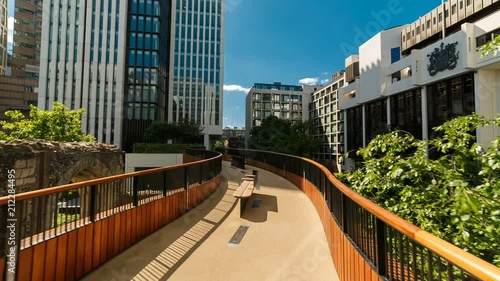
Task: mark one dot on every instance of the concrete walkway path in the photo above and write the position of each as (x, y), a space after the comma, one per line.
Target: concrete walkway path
(284, 240)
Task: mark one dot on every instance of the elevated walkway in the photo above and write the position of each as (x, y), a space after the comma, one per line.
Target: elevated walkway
(284, 240)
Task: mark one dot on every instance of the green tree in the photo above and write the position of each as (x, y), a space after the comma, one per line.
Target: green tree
(60, 124)
(280, 135)
(302, 141)
(218, 144)
(271, 135)
(163, 132)
(490, 47)
(454, 195)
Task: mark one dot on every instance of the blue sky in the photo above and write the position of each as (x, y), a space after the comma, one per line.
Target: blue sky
(290, 40)
(293, 41)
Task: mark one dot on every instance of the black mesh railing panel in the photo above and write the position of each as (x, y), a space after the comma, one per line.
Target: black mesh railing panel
(392, 254)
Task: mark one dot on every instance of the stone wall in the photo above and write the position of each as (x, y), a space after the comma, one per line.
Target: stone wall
(40, 164)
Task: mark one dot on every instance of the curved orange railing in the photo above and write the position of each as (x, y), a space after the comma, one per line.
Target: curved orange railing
(447, 255)
(105, 217)
(461, 258)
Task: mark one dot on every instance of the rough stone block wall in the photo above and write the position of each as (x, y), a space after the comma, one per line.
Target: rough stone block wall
(41, 164)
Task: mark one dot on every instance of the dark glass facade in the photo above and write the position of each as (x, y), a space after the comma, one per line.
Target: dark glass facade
(375, 118)
(449, 99)
(147, 67)
(354, 117)
(406, 112)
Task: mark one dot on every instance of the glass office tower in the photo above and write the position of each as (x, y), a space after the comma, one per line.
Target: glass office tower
(147, 67)
(197, 52)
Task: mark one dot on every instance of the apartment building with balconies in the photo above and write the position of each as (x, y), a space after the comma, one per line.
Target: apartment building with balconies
(324, 111)
(289, 102)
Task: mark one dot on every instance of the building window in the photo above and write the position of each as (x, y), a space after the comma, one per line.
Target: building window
(406, 112)
(375, 118)
(396, 54)
(354, 128)
(449, 99)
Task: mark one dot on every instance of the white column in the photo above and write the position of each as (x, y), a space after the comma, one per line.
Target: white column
(389, 113)
(206, 141)
(425, 119)
(364, 125)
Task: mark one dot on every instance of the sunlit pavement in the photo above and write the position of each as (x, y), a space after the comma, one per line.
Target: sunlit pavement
(284, 241)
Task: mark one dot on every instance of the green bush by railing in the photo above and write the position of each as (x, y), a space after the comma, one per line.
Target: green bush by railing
(162, 147)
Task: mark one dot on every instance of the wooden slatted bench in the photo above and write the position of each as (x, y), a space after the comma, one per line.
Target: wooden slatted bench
(244, 191)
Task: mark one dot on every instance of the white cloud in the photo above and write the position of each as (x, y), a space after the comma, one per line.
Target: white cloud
(309, 81)
(325, 81)
(10, 32)
(236, 88)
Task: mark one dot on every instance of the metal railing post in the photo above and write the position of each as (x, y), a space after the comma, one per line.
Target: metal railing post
(135, 190)
(186, 184)
(201, 173)
(344, 212)
(93, 195)
(381, 248)
(165, 184)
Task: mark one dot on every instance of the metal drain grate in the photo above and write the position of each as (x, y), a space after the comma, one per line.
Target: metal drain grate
(238, 235)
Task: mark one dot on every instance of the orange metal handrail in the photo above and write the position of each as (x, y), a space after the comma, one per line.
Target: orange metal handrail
(448, 251)
(52, 190)
(459, 257)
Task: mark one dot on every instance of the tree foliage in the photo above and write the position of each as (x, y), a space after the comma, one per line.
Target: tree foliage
(163, 132)
(455, 195)
(280, 135)
(491, 47)
(60, 124)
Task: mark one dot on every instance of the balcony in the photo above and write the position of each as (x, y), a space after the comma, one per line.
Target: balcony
(302, 224)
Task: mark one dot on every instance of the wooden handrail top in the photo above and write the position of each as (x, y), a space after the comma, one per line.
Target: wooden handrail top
(463, 259)
(51, 190)
(391, 219)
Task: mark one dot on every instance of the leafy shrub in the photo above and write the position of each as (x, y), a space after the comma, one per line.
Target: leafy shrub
(454, 195)
(60, 124)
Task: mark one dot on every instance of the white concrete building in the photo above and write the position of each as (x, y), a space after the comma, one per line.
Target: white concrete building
(283, 101)
(82, 62)
(412, 78)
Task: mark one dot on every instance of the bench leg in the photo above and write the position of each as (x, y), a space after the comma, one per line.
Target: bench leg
(243, 204)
